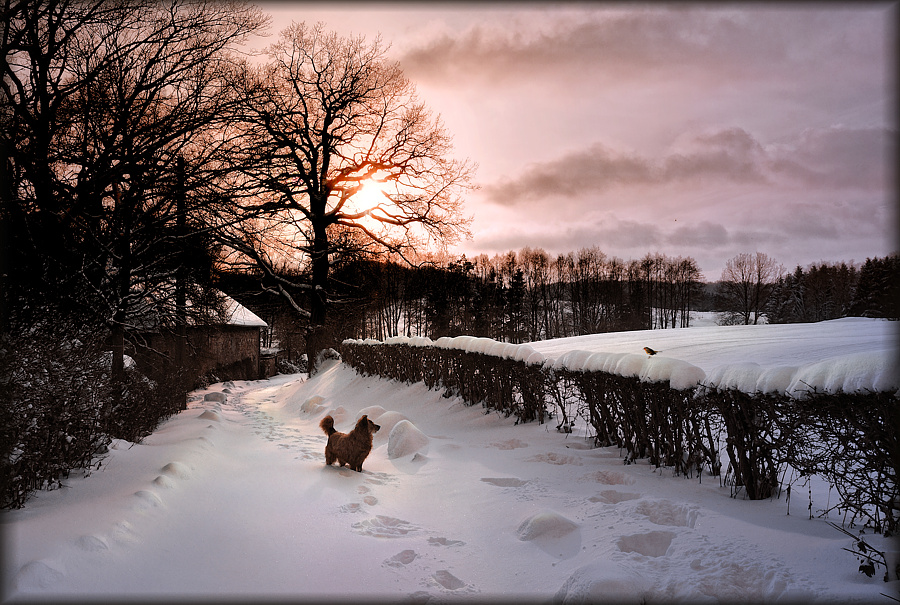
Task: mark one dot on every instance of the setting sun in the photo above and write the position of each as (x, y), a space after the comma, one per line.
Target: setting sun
(369, 196)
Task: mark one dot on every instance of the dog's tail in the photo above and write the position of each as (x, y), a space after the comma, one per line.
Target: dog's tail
(327, 425)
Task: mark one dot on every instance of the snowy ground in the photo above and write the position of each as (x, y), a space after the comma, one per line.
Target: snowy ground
(231, 498)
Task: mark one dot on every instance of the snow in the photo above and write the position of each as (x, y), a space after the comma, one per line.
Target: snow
(239, 315)
(851, 355)
(406, 440)
(231, 499)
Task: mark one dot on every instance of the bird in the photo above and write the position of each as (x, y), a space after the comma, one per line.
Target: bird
(650, 351)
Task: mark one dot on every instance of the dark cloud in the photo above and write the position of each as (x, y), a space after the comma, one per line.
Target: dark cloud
(574, 175)
(819, 159)
(704, 234)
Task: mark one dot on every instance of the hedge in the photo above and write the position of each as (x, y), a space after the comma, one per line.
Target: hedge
(851, 440)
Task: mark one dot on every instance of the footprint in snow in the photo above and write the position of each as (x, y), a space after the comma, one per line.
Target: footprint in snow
(649, 544)
(382, 526)
(666, 512)
(402, 558)
(445, 542)
(376, 478)
(509, 444)
(504, 481)
(554, 458)
(123, 533)
(611, 496)
(448, 580)
(610, 478)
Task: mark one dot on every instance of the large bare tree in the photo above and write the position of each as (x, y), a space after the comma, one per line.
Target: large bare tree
(108, 103)
(336, 150)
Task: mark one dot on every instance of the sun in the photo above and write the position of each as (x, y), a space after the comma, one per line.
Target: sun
(370, 195)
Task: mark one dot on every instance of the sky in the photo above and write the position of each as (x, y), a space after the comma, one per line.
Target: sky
(700, 130)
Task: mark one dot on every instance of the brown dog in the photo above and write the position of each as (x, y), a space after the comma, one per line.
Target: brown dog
(349, 448)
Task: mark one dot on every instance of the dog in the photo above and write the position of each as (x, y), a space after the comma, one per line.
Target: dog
(349, 448)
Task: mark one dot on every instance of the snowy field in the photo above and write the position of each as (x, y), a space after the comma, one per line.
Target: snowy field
(231, 499)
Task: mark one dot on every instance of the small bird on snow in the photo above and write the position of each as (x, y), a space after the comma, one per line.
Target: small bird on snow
(650, 351)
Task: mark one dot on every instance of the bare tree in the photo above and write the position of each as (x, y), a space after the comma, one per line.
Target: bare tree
(325, 118)
(745, 286)
(110, 102)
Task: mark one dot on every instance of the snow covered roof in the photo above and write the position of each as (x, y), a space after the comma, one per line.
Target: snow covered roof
(239, 315)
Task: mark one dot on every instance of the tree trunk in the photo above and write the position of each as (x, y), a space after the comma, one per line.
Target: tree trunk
(316, 339)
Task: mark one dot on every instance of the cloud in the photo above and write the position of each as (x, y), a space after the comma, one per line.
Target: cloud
(839, 157)
(662, 42)
(595, 169)
(727, 155)
(704, 234)
(825, 159)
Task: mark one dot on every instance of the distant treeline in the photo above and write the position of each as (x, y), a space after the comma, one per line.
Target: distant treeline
(528, 295)
(832, 290)
(521, 296)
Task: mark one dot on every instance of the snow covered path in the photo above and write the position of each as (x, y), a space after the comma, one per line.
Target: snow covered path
(232, 499)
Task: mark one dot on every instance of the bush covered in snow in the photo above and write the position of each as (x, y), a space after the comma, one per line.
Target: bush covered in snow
(673, 414)
(61, 407)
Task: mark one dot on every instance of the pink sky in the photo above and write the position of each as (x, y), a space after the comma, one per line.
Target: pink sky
(700, 131)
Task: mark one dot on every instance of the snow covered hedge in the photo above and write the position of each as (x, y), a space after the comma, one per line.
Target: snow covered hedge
(675, 415)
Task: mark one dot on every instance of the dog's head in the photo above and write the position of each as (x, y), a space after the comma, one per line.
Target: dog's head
(364, 424)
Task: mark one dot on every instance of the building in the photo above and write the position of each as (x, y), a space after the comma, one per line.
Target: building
(224, 348)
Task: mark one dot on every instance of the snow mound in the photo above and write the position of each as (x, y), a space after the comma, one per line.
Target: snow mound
(630, 364)
(852, 373)
(387, 421)
(547, 524)
(573, 361)
(855, 373)
(406, 439)
(603, 582)
(739, 376)
(210, 415)
(339, 414)
(373, 412)
(177, 469)
(92, 543)
(38, 574)
(775, 380)
(313, 405)
(603, 362)
(679, 374)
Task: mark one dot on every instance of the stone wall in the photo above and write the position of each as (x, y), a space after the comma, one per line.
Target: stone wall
(219, 352)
